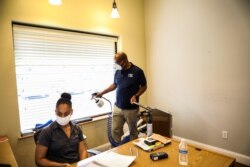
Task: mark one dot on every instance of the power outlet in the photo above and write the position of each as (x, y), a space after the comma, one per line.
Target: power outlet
(224, 134)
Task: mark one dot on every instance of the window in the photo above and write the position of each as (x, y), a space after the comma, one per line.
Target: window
(51, 61)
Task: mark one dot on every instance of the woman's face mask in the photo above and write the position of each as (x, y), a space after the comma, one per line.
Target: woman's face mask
(63, 120)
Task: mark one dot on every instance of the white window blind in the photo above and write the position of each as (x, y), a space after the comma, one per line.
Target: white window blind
(51, 61)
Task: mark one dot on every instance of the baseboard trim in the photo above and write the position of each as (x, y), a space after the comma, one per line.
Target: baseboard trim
(241, 158)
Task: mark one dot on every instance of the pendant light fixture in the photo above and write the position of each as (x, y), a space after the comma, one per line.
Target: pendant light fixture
(55, 2)
(114, 13)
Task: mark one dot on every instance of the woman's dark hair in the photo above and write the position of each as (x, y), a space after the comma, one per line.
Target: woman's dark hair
(64, 99)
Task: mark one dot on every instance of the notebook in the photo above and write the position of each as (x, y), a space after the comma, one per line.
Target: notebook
(161, 141)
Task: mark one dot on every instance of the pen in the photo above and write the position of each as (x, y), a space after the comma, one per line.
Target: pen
(130, 149)
(137, 153)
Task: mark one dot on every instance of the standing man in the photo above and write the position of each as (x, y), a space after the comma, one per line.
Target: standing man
(130, 83)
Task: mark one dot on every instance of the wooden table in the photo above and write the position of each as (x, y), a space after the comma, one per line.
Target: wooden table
(197, 157)
(6, 154)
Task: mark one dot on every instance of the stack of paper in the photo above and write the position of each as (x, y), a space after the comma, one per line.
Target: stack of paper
(109, 159)
(112, 159)
(160, 138)
(161, 142)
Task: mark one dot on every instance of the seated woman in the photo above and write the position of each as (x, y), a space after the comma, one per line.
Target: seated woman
(61, 143)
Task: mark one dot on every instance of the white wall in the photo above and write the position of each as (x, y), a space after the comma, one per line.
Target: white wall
(198, 63)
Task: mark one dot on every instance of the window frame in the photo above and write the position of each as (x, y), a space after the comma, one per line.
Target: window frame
(83, 119)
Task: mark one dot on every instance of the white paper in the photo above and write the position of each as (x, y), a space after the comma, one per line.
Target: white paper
(107, 159)
(140, 143)
(112, 159)
(94, 164)
(88, 162)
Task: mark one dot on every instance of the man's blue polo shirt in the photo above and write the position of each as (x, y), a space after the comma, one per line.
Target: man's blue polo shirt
(128, 83)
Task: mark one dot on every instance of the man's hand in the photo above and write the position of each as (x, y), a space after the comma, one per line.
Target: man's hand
(96, 94)
(133, 99)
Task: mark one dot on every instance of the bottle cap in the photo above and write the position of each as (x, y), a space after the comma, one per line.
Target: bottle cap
(183, 140)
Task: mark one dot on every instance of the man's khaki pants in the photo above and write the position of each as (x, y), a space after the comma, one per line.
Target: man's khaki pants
(119, 117)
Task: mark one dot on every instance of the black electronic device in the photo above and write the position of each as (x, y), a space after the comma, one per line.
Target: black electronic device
(150, 141)
(158, 155)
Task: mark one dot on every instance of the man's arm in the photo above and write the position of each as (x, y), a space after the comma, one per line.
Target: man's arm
(141, 90)
(108, 89)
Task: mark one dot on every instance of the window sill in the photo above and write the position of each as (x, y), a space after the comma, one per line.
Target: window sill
(95, 119)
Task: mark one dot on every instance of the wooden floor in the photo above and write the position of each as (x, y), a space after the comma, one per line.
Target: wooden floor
(240, 165)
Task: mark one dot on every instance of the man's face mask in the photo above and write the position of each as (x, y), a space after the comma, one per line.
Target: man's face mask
(117, 67)
(120, 64)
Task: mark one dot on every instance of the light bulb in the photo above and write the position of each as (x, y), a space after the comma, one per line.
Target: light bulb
(114, 13)
(55, 2)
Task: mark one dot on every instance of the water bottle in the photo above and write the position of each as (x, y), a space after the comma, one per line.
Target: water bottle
(183, 153)
(149, 125)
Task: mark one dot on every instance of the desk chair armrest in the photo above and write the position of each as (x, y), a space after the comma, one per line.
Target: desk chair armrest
(93, 152)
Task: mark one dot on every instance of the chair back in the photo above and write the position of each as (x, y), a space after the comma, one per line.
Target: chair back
(38, 129)
(37, 134)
